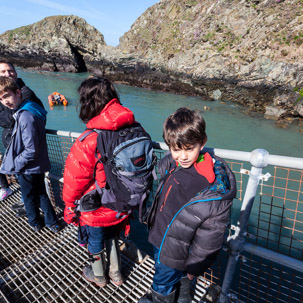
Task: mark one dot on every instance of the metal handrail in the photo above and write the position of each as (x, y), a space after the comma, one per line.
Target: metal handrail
(290, 162)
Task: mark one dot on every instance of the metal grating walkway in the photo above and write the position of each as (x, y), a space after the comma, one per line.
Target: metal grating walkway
(47, 267)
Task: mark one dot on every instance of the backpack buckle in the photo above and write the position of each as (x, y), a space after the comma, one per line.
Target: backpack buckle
(122, 133)
(104, 158)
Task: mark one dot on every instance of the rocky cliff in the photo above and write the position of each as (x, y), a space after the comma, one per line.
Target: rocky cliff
(58, 43)
(250, 50)
(247, 51)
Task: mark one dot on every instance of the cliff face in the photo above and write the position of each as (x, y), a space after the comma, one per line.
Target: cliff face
(55, 43)
(247, 51)
(197, 36)
(238, 44)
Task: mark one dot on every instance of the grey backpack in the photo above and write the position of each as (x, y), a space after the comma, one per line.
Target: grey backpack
(129, 160)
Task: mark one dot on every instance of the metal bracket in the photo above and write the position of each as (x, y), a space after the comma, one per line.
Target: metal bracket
(261, 177)
(246, 234)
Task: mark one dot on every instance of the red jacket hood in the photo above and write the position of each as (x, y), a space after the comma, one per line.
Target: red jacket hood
(113, 116)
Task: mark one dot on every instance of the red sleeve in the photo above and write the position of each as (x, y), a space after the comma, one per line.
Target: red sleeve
(79, 169)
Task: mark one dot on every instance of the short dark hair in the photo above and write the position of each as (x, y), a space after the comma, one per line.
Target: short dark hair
(8, 84)
(4, 61)
(95, 93)
(184, 128)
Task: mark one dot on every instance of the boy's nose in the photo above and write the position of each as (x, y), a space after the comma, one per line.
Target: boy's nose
(183, 155)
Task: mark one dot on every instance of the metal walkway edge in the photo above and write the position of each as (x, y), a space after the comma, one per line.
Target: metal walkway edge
(47, 267)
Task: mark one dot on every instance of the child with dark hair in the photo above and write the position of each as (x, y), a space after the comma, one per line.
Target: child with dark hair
(189, 215)
(99, 108)
(26, 155)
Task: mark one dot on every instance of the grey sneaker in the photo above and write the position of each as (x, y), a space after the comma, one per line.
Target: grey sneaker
(17, 206)
(55, 228)
(36, 228)
(116, 278)
(21, 212)
(88, 274)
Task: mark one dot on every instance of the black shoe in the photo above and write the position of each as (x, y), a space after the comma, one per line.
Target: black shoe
(21, 212)
(147, 298)
(184, 295)
(55, 228)
(158, 298)
(36, 228)
(17, 206)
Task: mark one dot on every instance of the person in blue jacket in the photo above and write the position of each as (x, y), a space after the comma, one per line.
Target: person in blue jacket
(7, 121)
(27, 156)
(190, 212)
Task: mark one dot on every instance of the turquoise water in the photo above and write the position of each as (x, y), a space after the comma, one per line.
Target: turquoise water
(228, 126)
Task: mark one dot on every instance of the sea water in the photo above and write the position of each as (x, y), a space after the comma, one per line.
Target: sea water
(227, 125)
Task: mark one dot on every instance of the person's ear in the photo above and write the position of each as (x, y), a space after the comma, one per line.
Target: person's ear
(18, 93)
(204, 142)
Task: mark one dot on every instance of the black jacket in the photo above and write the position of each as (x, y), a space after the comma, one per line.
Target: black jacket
(195, 235)
(6, 115)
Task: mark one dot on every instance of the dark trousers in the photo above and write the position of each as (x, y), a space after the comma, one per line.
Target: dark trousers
(35, 197)
(165, 278)
(3, 181)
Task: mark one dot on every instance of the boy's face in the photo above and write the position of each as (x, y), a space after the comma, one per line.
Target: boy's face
(10, 99)
(186, 157)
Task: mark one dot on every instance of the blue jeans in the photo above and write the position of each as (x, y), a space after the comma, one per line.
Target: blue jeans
(82, 235)
(165, 278)
(35, 197)
(97, 235)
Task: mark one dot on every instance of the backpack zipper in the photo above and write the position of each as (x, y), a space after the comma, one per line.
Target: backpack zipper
(129, 144)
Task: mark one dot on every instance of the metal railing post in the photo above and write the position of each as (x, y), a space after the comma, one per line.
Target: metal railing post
(258, 160)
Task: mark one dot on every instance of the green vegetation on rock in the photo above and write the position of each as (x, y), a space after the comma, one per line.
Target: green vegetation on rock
(20, 31)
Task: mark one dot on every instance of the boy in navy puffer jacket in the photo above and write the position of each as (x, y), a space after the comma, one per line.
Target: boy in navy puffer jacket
(26, 155)
(190, 212)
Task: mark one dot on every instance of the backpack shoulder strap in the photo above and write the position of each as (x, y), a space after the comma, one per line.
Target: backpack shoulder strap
(102, 144)
(82, 138)
(85, 134)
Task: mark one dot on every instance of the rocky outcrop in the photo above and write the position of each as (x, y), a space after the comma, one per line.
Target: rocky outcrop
(247, 51)
(241, 47)
(57, 43)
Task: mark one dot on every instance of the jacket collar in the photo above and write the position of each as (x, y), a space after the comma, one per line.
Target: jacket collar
(205, 167)
(113, 116)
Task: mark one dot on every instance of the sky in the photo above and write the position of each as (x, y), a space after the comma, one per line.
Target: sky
(112, 18)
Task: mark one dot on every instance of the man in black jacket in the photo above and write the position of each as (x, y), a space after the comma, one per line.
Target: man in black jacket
(7, 123)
